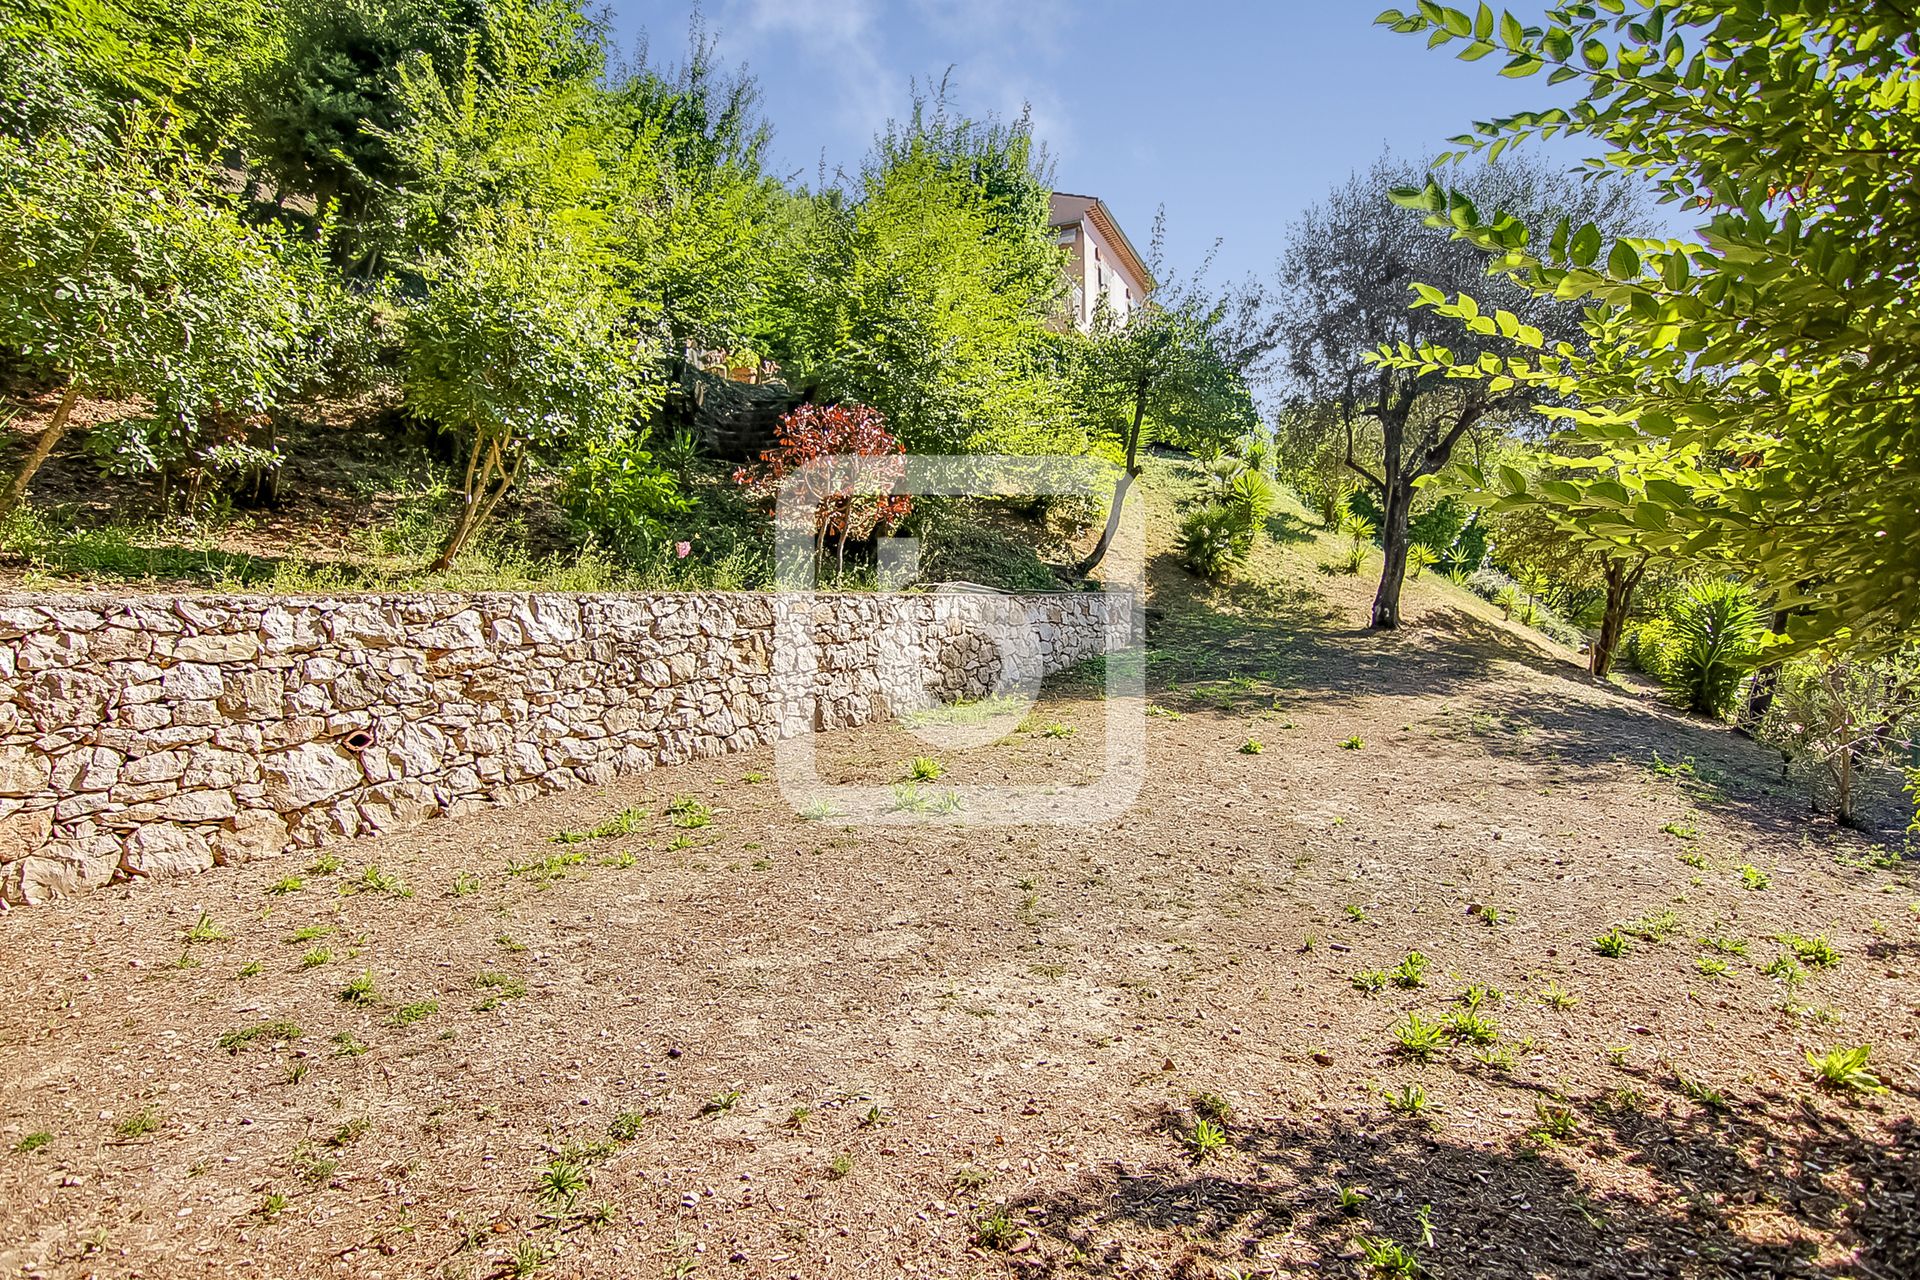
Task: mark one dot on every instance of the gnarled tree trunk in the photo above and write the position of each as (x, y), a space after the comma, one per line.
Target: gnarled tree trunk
(1621, 582)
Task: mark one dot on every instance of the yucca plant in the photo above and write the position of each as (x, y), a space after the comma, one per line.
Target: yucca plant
(1251, 494)
(1420, 558)
(1214, 540)
(1715, 636)
(1359, 531)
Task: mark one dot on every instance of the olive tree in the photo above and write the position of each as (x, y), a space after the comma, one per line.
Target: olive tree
(1352, 271)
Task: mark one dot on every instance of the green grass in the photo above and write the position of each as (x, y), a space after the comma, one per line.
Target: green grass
(408, 1014)
(360, 990)
(1411, 972)
(1555, 996)
(204, 930)
(138, 1125)
(1656, 927)
(32, 1142)
(1204, 1140)
(1554, 1121)
(1418, 1038)
(374, 880)
(239, 1038)
(1383, 1257)
(688, 812)
(1612, 943)
(496, 988)
(1815, 952)
(1469, 1027)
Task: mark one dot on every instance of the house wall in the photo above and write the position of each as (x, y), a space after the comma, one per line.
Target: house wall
(157, 736)
(1089, 253)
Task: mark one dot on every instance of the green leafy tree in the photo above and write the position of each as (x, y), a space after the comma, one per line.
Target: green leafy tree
(704, 231)
(511, 124)
(927, 290)
(325, 111)
(1175, 366)
(1597, 507)
(190, 59)
(1774, 362)
(521, 347)
(126, 270)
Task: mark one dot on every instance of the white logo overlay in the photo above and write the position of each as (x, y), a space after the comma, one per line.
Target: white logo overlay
(957, 665)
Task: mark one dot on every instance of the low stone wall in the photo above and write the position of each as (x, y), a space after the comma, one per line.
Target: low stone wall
(152, 736)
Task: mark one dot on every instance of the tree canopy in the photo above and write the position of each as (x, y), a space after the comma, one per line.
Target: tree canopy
(1768, 370)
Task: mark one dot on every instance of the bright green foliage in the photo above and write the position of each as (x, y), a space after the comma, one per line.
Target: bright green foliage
(192, 59)
(708, 240)
(927, 289)
(1214, 540)
(124, 268)
(1846, 1069)
(518, 347)
(319, 110)
(1770, 367)
(509, 123)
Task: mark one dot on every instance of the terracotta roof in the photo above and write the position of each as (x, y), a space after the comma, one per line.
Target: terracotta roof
(1065, 210)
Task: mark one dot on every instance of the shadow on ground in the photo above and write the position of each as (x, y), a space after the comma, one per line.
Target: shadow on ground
(1723, 1197)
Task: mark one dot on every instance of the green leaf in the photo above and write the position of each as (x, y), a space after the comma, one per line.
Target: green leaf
(1586, 245)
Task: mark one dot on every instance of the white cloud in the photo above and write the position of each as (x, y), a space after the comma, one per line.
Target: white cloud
(842, 36)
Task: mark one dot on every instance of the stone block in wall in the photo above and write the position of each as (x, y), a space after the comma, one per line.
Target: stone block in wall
(23, 830)
(192, 681)
(250, 834)
(396, 805)
(216, 648)
(24, 772)
(253, 695)
(307, 775)
(163, 849)
(43, 877)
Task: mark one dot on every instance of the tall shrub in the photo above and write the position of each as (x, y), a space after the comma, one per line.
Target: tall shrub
(520, 348)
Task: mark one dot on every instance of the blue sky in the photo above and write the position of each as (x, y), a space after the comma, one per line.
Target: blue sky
(1233, 115)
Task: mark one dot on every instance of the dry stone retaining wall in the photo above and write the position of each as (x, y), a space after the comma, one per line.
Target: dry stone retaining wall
(154, 736)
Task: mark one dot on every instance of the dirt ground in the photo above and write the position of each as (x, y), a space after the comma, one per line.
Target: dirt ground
(768, 1046)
